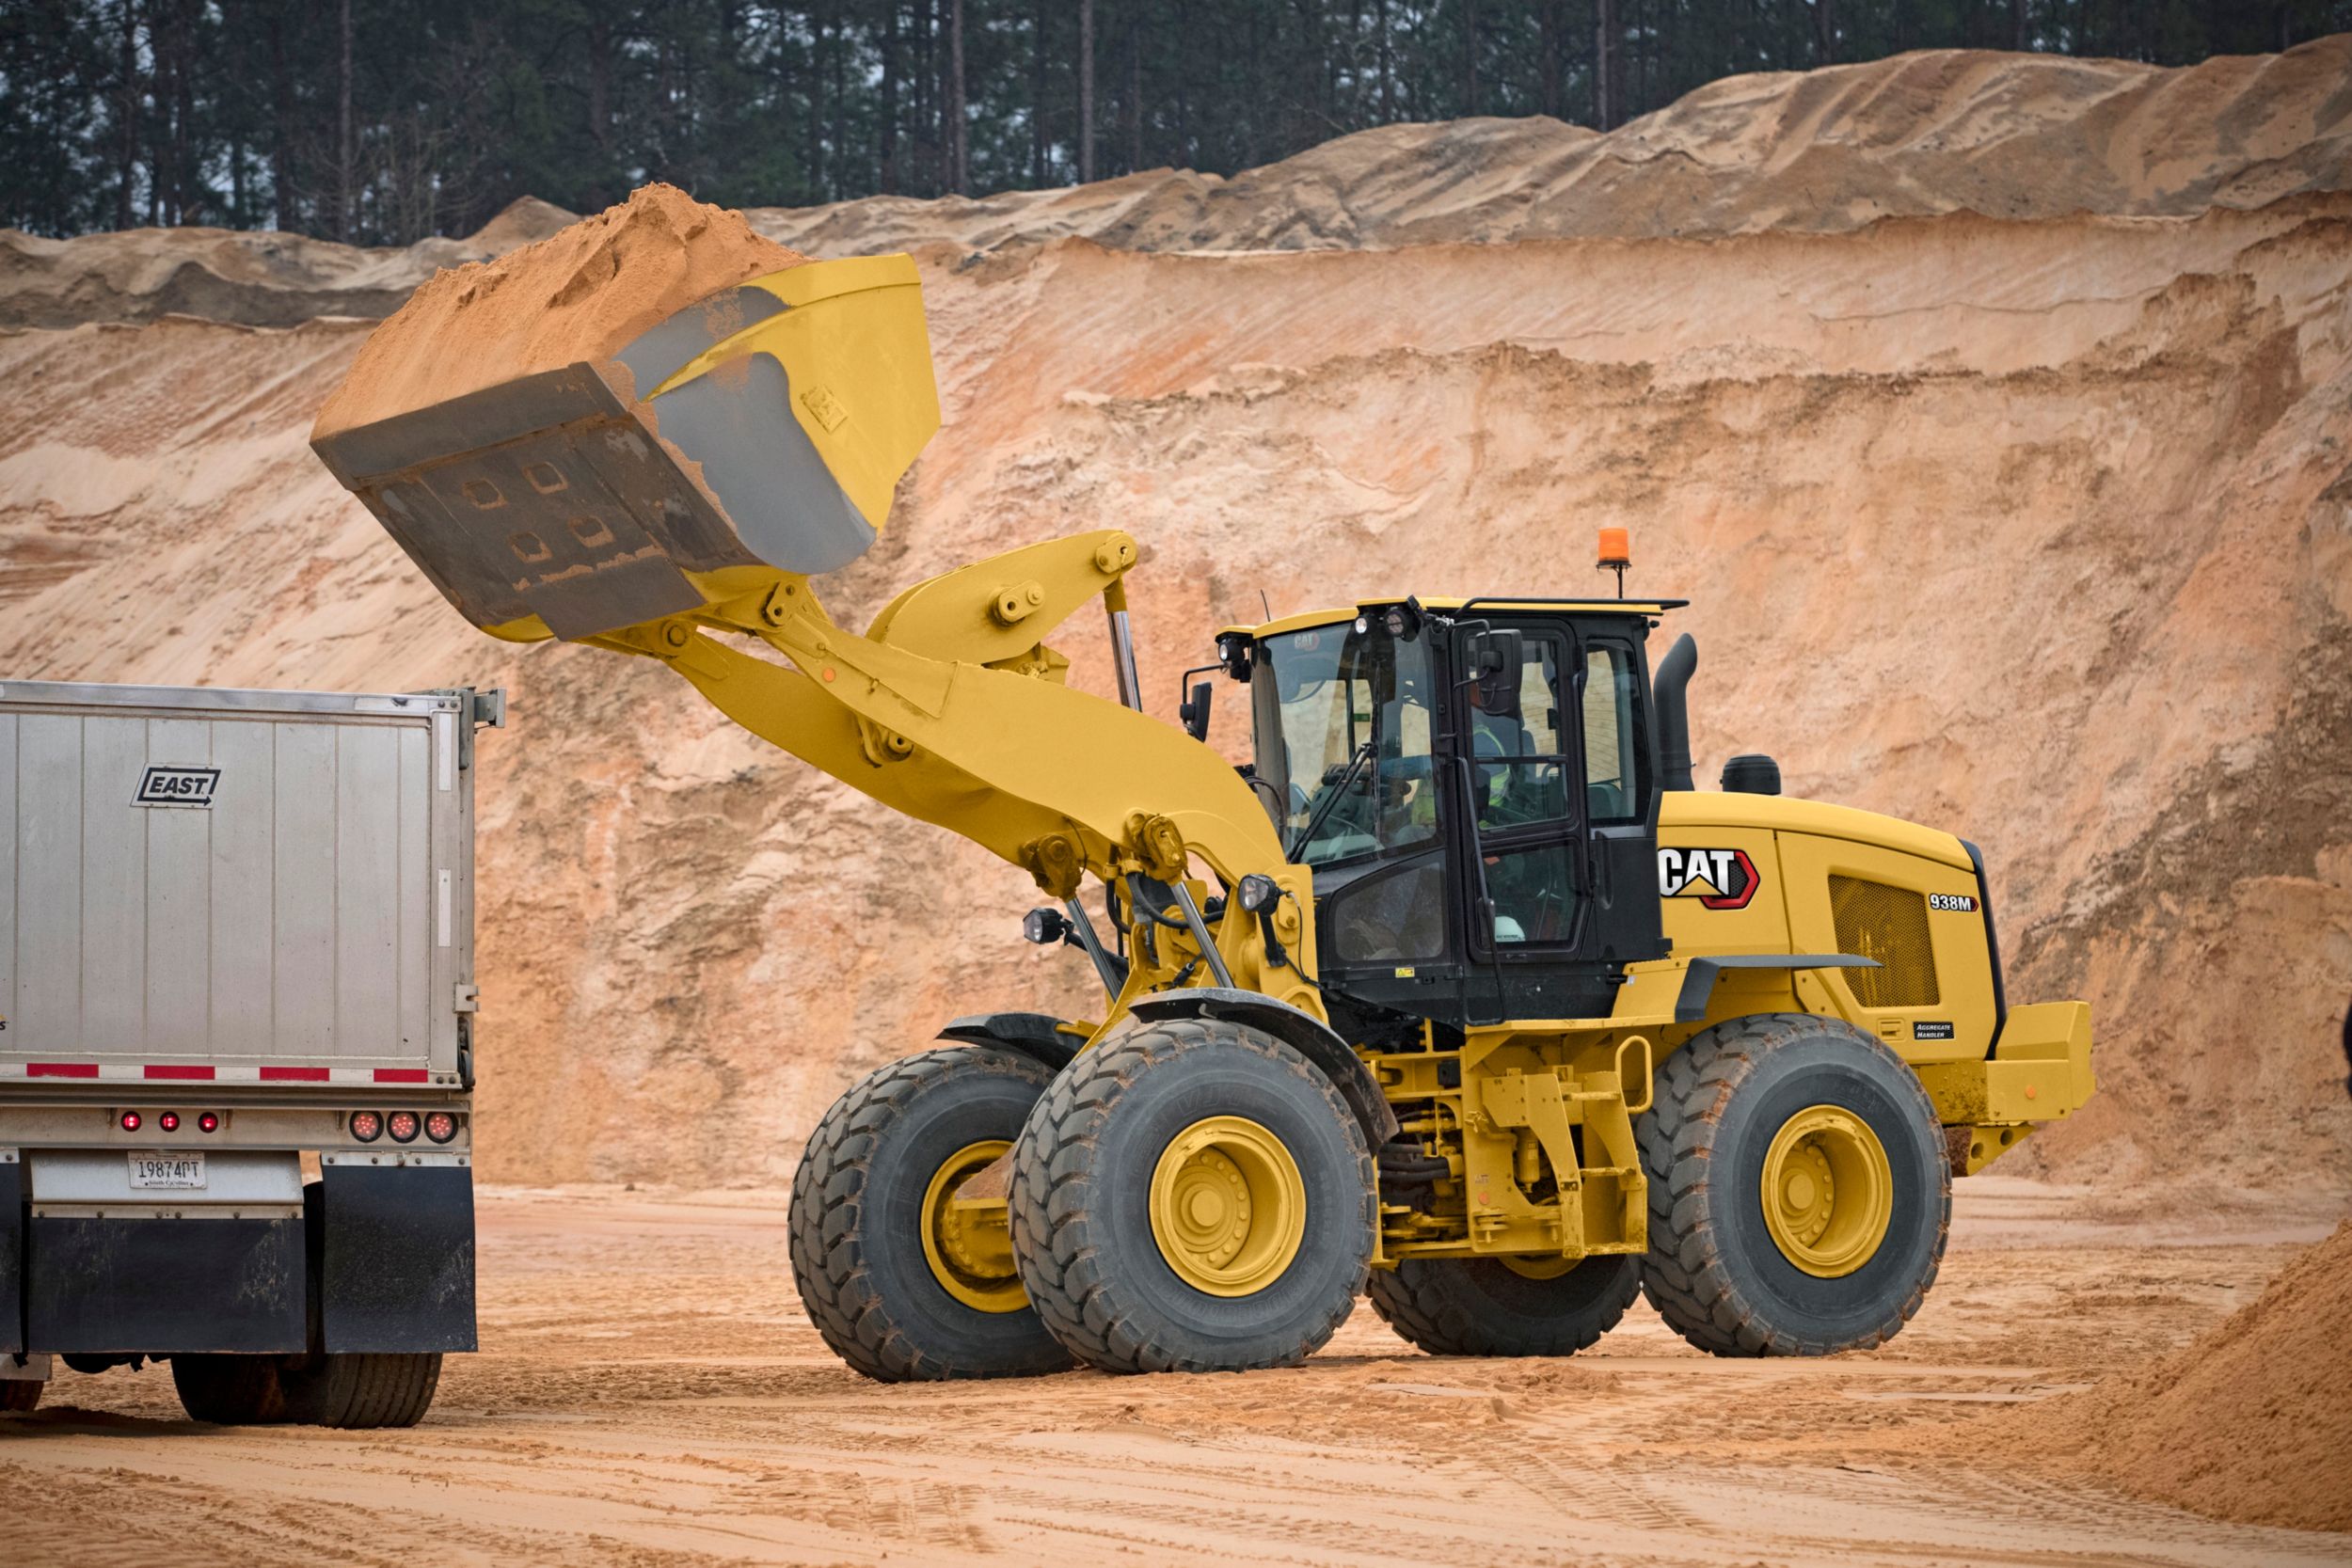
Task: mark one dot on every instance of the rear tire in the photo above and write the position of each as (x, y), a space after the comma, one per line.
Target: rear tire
(232, 1390)
(885, 1288)
(363, 1390)
(1192, 1196)
(1834, 1250)
(19, 1395)
(1483, 1306)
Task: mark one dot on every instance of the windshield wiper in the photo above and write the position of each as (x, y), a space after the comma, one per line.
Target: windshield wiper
(1314, 819)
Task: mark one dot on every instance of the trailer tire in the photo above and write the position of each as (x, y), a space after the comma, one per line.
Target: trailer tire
(20, 1394)
(1484, 1306)
(1193, 1196)
(362, 1390)
(1761, 1132)
(233, 1390)
(883, 1282)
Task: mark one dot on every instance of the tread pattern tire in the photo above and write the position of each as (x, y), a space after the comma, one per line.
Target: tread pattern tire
(367, 1390)
(1063, 1230)
(20, 1394)
(1465, 1305)
(1690, 1273)
(231, 1390)
(846, 1297)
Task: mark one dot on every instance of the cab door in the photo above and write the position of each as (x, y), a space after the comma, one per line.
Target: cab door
(1525, 878)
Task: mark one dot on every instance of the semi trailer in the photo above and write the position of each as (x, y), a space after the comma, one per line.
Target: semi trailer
(237, 1064)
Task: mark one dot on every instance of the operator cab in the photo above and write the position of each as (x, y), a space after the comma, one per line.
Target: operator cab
(1476, 785)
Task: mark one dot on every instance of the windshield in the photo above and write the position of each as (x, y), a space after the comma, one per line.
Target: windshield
(1342, 723)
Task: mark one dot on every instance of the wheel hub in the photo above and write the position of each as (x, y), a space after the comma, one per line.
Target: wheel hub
(1828, 1191)
(1227, 1206)
(968, 1245)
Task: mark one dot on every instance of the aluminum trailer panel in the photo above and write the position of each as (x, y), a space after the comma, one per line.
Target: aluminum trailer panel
(248, 887)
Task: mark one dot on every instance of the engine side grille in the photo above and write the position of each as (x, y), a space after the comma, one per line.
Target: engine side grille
(1889, 924)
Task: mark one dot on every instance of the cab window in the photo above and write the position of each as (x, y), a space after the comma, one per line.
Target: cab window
(1612, 780)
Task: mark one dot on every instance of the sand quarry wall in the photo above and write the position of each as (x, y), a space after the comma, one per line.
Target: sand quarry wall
(2038, 527)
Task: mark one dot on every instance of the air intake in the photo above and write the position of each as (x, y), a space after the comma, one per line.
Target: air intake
(1889, 924)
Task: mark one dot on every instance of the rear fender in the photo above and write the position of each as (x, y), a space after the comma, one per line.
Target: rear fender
(1031, 1034)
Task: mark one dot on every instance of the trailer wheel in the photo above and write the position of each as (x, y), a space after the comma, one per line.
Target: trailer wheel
(1799, 1192)
(361, 1390)
(20, 1394)
(901, 1282)
(232, 1390)
(1505, 1306)
(1193, 1196)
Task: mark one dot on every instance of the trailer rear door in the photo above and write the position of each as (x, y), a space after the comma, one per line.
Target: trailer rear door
(245, 886)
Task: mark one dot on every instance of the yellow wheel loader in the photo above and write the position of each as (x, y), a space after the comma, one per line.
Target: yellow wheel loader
(1458, 992)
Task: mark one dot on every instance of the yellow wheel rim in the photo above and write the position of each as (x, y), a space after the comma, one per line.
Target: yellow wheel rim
(968, 1245)
(1829, 1192)
(1229, 1207)
(1539, 1268)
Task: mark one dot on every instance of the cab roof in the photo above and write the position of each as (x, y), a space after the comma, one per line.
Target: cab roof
(1305, 618)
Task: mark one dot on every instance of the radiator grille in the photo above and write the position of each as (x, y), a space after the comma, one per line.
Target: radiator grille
(1889, 924)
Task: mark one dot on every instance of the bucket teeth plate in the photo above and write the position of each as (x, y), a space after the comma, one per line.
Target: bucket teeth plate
(544, 495)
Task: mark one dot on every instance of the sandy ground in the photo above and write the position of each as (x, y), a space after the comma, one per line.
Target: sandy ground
(649, 1393)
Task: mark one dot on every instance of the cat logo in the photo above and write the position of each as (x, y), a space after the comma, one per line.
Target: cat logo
(1718, 878)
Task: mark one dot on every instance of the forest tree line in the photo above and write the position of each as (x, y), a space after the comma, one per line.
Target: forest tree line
(381, 122)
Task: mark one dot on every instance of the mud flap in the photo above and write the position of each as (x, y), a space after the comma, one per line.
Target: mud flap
(394, 1251)
(159, 1287)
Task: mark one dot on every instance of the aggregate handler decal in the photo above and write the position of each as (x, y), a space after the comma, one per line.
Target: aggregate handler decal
(1718, 878)
(176, 787)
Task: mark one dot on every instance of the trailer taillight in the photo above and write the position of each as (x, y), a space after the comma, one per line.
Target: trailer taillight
(403, 1126)
(441, 1126)
(366, 1126)
(130, 1121)
(168, 1121)
(207, 1122)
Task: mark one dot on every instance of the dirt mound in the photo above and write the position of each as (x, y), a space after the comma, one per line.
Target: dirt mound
(2025, 136)
(583, 292)
(2015, 137)
(2249, 1422)
(2040, 531)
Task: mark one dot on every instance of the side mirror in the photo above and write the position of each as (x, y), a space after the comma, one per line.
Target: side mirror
(1195, 713)
(1495, 656)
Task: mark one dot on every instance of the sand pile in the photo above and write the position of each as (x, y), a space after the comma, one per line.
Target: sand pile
(2017, 136)
(2036, 529)
(582, 293)
(2027, 137)
(2250, 1423)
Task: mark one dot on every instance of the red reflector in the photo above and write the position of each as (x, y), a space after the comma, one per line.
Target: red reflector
(208, 1123)
(441, 1126)
(61, 1069)
(130, 1121)
(293, 1075)
(403, 1126)
(199, 1074)
(401, 1075)
(168, 1121)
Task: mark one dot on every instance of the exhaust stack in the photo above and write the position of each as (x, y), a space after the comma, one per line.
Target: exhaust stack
(1673, 719)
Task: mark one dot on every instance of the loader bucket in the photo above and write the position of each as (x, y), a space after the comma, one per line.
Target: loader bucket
(776, 420)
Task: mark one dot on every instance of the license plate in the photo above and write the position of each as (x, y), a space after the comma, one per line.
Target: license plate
(166, 1171)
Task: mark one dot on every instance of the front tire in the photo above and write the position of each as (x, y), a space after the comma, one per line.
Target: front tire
(20, 1394)
(899, 1283)
(1798, 1190)
(1499, 1306)
(1192, 1196)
